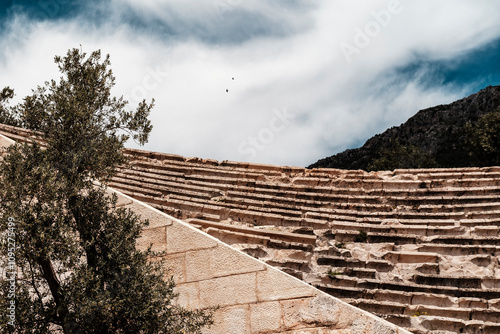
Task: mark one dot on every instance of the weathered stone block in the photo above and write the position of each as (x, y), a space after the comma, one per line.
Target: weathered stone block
(273, 284)
(229, 290)
(233, 320)
(155, 217)
(265, 317)
(189, 295)
(320, 311)
(176, 267)
(219, 261)
(157, 237)
(183, 238)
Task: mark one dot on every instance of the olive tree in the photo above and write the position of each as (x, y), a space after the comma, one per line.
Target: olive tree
(78, 268)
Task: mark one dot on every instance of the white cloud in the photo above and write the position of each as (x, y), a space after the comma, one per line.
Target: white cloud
(295, 63)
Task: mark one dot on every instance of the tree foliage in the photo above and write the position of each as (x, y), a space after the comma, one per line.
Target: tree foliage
(79, 269)
(6, 114)
(395, 155)
(483, 140)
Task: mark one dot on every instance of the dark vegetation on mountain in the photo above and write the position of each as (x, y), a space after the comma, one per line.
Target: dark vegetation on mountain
(465, 133)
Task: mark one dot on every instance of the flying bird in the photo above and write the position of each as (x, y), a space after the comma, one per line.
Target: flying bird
(227, 90)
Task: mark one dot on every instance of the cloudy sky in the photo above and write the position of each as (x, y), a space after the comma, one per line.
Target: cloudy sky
(305, 78)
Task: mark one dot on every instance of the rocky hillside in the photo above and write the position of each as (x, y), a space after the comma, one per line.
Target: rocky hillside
(461, 134)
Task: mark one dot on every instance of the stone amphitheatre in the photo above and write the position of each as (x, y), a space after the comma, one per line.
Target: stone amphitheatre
(382, 252)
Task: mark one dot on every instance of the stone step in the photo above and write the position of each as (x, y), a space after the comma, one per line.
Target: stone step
(309, 200)
(197, 171)
(232, 237)
(249, 214)
(460, 250)
(442, 325)
(267, 232)
(166, 188)
(376, 221)
(458, 198)
(409, 298)
(136, 189)
(449, 173)
(15, 137)
(372, 237)
(262, 218)
(180, 209)
(389, 184)
(370, 284)
(483, 215)
(175, 203)
(411, 257)
(452, 240)
(297, 265)
(262, 168)
(267, 206)
(21, 135)
(138, 153)
(336, 215)
(285, 215)
(486, 231)
(336, 261)
(165, 172)
(494, 221)
(399, 229)
(473, 197)
(352, 272)
(462, 209)
(459, 282)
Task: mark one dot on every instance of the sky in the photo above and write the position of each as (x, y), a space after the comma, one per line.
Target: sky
(268, 81)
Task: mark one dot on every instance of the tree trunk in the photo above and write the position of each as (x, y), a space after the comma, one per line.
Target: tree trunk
(50, 276)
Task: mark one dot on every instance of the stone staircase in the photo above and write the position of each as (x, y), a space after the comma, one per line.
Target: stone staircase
(419, 248)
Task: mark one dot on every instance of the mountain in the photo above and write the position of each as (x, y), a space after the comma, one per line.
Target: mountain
(461, 134)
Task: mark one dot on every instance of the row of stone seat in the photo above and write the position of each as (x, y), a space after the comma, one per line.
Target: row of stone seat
(380, 184)
(161, 170)
(20, 135)
(239, 197)
(300, 175)
(267, 232)
(423, 174)
(338, 283)
(344, 231)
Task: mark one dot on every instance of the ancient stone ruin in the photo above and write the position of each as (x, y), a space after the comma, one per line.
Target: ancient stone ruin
(416, 248)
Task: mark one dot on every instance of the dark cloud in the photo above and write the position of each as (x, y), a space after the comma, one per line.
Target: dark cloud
(476, 69)
(224, 22)
(42, 9)
(218, 22)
